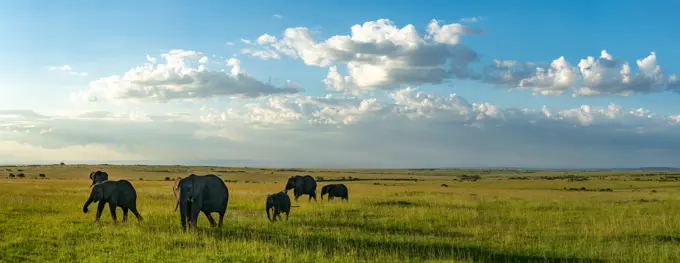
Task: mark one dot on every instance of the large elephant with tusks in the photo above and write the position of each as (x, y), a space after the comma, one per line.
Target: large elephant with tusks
(195, 194)
(302, 185)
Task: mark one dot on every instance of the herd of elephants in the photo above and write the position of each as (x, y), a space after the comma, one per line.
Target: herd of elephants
(201, 193)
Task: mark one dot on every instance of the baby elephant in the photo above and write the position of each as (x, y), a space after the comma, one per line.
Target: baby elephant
(118, 194)
(335, 190)
(279, 202)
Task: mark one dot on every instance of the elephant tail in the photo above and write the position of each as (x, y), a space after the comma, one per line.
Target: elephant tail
(294, 206)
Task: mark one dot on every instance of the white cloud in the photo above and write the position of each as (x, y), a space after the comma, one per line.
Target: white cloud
(380, 55)
(265, 39)
(177, 79)
(230, 43)
(674, 83)
(245, 41)
(277, 16)
(675, 118)
(604, 76)
(61, 68)
(473, 19)
(554, 80)
(151, 59)
(68, 69)
(607, 76)
(641, 112)
(262, 54)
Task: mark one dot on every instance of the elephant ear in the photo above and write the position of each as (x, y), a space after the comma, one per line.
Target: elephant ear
(175, 187)
(105, 176)
(91, 175)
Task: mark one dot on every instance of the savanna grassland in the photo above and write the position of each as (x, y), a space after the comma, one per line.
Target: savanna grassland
(391, 216)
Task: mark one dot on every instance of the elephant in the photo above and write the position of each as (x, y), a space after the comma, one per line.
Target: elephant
(118, 194)
(335, 190)
(280, 203)
(98, 176)
(302, 185)
(194, 194)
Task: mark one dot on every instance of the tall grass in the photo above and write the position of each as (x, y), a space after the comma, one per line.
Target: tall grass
(491, 220)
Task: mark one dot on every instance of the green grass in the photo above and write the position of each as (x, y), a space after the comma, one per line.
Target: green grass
(490, 220)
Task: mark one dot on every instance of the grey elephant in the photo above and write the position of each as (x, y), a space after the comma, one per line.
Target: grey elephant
(98, 176)
(117, 194)
(335, 190)
(302, 185)
(194, 194)
(278, 203)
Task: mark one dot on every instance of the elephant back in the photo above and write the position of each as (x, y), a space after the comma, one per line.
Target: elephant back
(337, 190)
(214, 191)
(308, 184)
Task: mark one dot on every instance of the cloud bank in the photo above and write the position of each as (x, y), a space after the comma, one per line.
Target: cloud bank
(408, 128)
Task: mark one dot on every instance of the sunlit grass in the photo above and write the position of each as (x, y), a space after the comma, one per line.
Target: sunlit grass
(491, 220)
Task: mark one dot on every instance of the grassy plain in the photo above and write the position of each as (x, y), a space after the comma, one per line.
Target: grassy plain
(495, 219)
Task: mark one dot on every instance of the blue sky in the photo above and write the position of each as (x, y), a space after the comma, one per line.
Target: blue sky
(101, 40)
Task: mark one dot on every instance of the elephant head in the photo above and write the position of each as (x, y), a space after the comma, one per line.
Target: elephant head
(98, 176)
(269, 205)
(293, 182)
(325, 190)
(177, 191)
(186, 190)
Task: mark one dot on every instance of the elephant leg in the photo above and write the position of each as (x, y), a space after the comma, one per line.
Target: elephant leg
(125, 213)
(134, 211)
(100, 209)
(112, 208)
(210, 218)
(195, 210)
(287, 215)
(219, 224)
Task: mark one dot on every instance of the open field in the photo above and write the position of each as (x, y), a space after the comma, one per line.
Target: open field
(396, 216)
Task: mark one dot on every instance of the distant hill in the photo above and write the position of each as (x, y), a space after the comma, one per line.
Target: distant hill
(660, 168)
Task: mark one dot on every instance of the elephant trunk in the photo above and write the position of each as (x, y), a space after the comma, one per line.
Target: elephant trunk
(87, 203)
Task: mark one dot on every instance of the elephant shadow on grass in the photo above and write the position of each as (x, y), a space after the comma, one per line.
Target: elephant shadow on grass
(383, 229)
(368, 249)
(657, 238)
